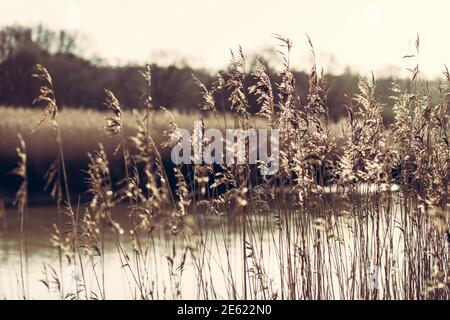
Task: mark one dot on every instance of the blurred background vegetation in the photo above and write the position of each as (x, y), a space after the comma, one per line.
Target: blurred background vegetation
(79, 82)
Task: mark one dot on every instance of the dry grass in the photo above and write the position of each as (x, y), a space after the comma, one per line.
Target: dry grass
(380, 231)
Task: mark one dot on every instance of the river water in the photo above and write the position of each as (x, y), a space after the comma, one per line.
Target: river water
(336, 255)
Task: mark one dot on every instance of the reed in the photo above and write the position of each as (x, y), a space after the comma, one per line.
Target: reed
(368, 220)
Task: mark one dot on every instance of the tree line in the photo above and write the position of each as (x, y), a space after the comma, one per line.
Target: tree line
(80, 82)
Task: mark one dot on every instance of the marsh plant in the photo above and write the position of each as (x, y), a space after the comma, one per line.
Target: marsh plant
(369, 220)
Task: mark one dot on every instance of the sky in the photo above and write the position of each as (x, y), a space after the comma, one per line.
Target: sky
(361, 34)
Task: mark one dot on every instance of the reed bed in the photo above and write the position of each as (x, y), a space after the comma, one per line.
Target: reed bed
(369, 221)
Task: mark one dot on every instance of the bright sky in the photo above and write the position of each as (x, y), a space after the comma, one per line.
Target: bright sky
(363, 34)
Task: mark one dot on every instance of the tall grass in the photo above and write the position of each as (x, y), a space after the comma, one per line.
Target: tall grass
(369, 221)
